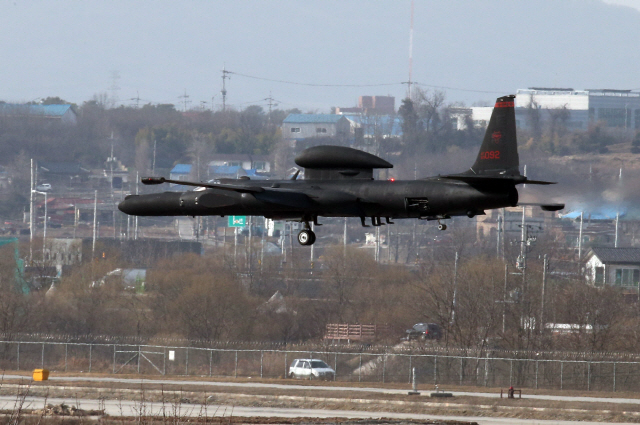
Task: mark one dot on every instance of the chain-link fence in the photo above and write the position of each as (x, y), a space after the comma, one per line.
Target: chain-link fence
(433, 369)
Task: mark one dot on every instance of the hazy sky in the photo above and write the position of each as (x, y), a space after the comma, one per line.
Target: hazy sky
(478, 49)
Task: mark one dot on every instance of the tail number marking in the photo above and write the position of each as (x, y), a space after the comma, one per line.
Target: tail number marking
(490, 155)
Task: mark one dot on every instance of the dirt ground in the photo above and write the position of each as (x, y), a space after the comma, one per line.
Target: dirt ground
(305, 396)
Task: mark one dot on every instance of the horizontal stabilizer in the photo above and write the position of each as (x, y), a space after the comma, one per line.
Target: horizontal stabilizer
(545, 207)
(537, 182)
(494, 178)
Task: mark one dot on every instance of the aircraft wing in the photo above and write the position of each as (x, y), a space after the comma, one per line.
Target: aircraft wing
(231, 187)
(545, 207)
(285, 197)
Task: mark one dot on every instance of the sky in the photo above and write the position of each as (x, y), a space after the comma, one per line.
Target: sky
(312, 55)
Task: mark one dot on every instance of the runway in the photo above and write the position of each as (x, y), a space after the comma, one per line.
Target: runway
(300, 385)
(133, 408)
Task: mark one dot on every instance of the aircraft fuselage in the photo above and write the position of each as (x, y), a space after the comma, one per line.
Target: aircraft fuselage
(429, 198)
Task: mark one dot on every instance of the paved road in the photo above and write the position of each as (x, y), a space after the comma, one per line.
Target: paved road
(131, 408)
(324, 388)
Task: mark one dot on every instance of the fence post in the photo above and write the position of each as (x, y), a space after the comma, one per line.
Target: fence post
(210, 361)
(236, 370)
(561, 367)
(536, 374)
(486, 371)
(139, 359)
(286, 372)
(435, 370)
(384, 367)
(614, 377)
(461, 371)
(410, 369)
(588, 376)
(18, 355)
(164, 361)
(511, 373)
(335, 364)
(114, 358)
(360, 369)
(90, 353)
(186, 363)
(66, 350)
(42, 355)
(261, 357)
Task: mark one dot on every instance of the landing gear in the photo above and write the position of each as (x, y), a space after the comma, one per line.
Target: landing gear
(306, 237)
(442, 226)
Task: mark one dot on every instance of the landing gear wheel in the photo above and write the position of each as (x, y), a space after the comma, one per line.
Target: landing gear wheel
(306, 237)
(442, 227)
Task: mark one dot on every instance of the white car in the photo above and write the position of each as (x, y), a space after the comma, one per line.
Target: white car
(311, 369)
(43, 187)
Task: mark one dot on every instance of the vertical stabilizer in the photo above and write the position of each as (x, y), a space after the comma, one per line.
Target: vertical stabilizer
(499, 151)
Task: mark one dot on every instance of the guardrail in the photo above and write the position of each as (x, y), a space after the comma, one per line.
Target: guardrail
(350, 367)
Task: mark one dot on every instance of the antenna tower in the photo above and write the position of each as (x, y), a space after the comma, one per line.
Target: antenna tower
(185, 96)
(137, 99)
(410, 53)
(224, 88)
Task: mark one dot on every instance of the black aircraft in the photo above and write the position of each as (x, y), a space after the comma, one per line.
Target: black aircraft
(338, 182)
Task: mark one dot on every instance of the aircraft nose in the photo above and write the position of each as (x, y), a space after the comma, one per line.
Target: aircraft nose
(127, 206)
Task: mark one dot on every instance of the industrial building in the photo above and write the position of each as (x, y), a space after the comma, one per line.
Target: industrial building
(576, 109)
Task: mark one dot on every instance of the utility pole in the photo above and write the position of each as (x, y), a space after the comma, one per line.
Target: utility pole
(344, 240)
(580, 237)
(95, 222)
(409, 93)
(544, 285)
(137, 99)
(615, 243)
(270, 100)
(504, 299)
(113, 204)
(44, 234)
(455, 288)
(224, 88)
(312, 251)
(31, 221)
(185, 96)
(498, 236)
(153, 167)
(135, 231)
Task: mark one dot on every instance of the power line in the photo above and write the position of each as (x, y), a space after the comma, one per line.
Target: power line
(457, 89)
(364, 85)
(312, 84)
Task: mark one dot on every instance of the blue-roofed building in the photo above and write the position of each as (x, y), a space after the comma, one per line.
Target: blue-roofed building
(261, 163)
(61, 113)
(180, 172)
(298, 127)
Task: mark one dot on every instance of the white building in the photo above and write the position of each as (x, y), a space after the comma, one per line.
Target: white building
(613, 266)
(576, 108)
(297, 127)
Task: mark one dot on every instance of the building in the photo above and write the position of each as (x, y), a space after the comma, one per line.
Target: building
(298, 127)
(369, 130)
(576, 109)
(613, 266)
(259, 163)
(54, 113)
(371, 105)
(509, 223)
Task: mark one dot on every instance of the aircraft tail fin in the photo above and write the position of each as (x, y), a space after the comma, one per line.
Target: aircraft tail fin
(499, 151)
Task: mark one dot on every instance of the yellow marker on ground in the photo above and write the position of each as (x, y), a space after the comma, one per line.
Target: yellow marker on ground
(40, 374)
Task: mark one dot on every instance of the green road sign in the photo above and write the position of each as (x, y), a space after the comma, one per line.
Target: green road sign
(237, 220)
